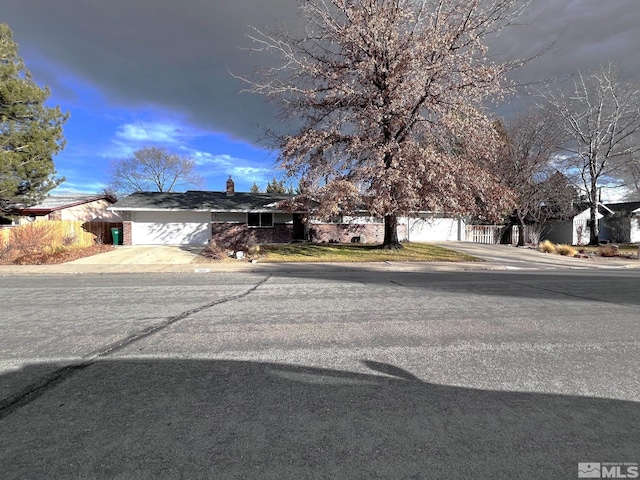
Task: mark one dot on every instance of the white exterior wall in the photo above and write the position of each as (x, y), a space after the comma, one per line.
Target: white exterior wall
(635, 228)
(229, 217)
(91, 211)
(434, 228)
(580, 222)
(170, 228)
(279, 218)
(361, 219)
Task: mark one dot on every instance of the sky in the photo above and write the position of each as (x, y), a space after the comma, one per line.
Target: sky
(136, 73)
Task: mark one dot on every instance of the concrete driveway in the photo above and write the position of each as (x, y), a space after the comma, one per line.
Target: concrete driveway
(143, 255)
(515, 258)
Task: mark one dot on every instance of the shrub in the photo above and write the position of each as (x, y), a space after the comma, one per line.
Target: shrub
(33, 242)
(547, 247)
(608, 251)
(32, 238)
(215, 251)
(566, 250)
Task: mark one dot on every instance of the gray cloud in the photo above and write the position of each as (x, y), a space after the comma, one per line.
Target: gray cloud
(178, 54)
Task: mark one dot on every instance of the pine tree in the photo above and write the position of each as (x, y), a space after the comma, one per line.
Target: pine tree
(255, 188)
(277, 187)
(30, 132)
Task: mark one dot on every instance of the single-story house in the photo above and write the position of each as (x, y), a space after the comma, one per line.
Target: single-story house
(617, 222)
(230, 217)
(75, 206)
(622, 224)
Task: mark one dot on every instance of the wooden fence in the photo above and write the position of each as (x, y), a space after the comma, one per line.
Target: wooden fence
(102, 230)
(46, 232)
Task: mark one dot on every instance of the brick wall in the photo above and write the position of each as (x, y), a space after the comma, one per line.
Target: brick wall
(126, 233)
(238, 233)
(345, 232)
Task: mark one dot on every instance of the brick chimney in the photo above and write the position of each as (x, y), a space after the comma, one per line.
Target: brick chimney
(230, 186)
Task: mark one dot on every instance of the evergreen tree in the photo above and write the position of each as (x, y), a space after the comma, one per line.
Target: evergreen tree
(30, 132)
(255, 188)
(277, 187)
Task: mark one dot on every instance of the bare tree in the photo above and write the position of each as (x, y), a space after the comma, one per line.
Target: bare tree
(630, 177)
(601, 115)
(153, 169)
(367, 82)
(527, 168)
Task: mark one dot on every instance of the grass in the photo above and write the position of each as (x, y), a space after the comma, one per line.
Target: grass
(309, 252)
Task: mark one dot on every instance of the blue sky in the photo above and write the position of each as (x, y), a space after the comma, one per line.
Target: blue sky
(133, 73)
(100, 130)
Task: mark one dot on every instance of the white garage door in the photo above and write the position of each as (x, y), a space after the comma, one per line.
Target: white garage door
(433, 229)
(171, 228)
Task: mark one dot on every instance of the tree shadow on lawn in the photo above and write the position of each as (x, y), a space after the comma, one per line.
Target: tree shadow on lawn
(233, 419)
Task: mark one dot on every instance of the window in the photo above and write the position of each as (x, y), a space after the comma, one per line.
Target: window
(260, 219)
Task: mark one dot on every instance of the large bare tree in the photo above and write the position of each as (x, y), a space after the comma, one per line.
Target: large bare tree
(528, 168)
(153, 169)
(601, 116)
(367, 82)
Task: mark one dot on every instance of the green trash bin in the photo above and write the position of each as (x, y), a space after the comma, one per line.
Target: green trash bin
(115, 234)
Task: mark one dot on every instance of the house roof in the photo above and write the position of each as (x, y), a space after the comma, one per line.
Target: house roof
(623, 206)
(198, 200)
(58, 202)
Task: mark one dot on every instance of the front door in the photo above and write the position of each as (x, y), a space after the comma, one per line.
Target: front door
(298, 226)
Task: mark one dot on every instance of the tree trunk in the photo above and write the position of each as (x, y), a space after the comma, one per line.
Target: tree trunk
(391, 232)
(593, 208)
(520, 233)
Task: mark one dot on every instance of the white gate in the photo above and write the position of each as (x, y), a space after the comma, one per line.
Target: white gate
(488, 234)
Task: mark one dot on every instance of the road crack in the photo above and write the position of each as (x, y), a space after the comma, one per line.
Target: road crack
(47, 382)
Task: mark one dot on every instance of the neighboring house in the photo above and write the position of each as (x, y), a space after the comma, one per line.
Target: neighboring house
(622, 224)
(618, 222)
(229, 217)
(76, 206)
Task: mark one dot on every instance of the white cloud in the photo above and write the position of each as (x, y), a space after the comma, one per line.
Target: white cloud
(151, 132)
(239, 168)
(71, 187)
(252, 174)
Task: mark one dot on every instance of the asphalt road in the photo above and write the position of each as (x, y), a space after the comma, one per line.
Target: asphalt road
(319, 373)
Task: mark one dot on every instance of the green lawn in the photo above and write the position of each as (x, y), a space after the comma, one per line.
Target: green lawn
(332, 252)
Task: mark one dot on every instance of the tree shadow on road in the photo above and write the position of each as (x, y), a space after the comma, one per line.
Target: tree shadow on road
(620, 288)
(233, 419)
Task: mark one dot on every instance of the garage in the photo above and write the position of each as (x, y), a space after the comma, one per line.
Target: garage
(170, 228)
(435, 228)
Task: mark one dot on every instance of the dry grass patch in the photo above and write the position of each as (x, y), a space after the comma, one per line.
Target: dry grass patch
(566, 250)
(547, 247)
(309, 252)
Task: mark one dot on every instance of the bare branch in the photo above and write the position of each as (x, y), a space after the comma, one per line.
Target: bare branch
(601, 116)
(153, 169)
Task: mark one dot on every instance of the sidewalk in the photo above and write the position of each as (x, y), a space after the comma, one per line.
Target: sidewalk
(511, 257)
(166, 260)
